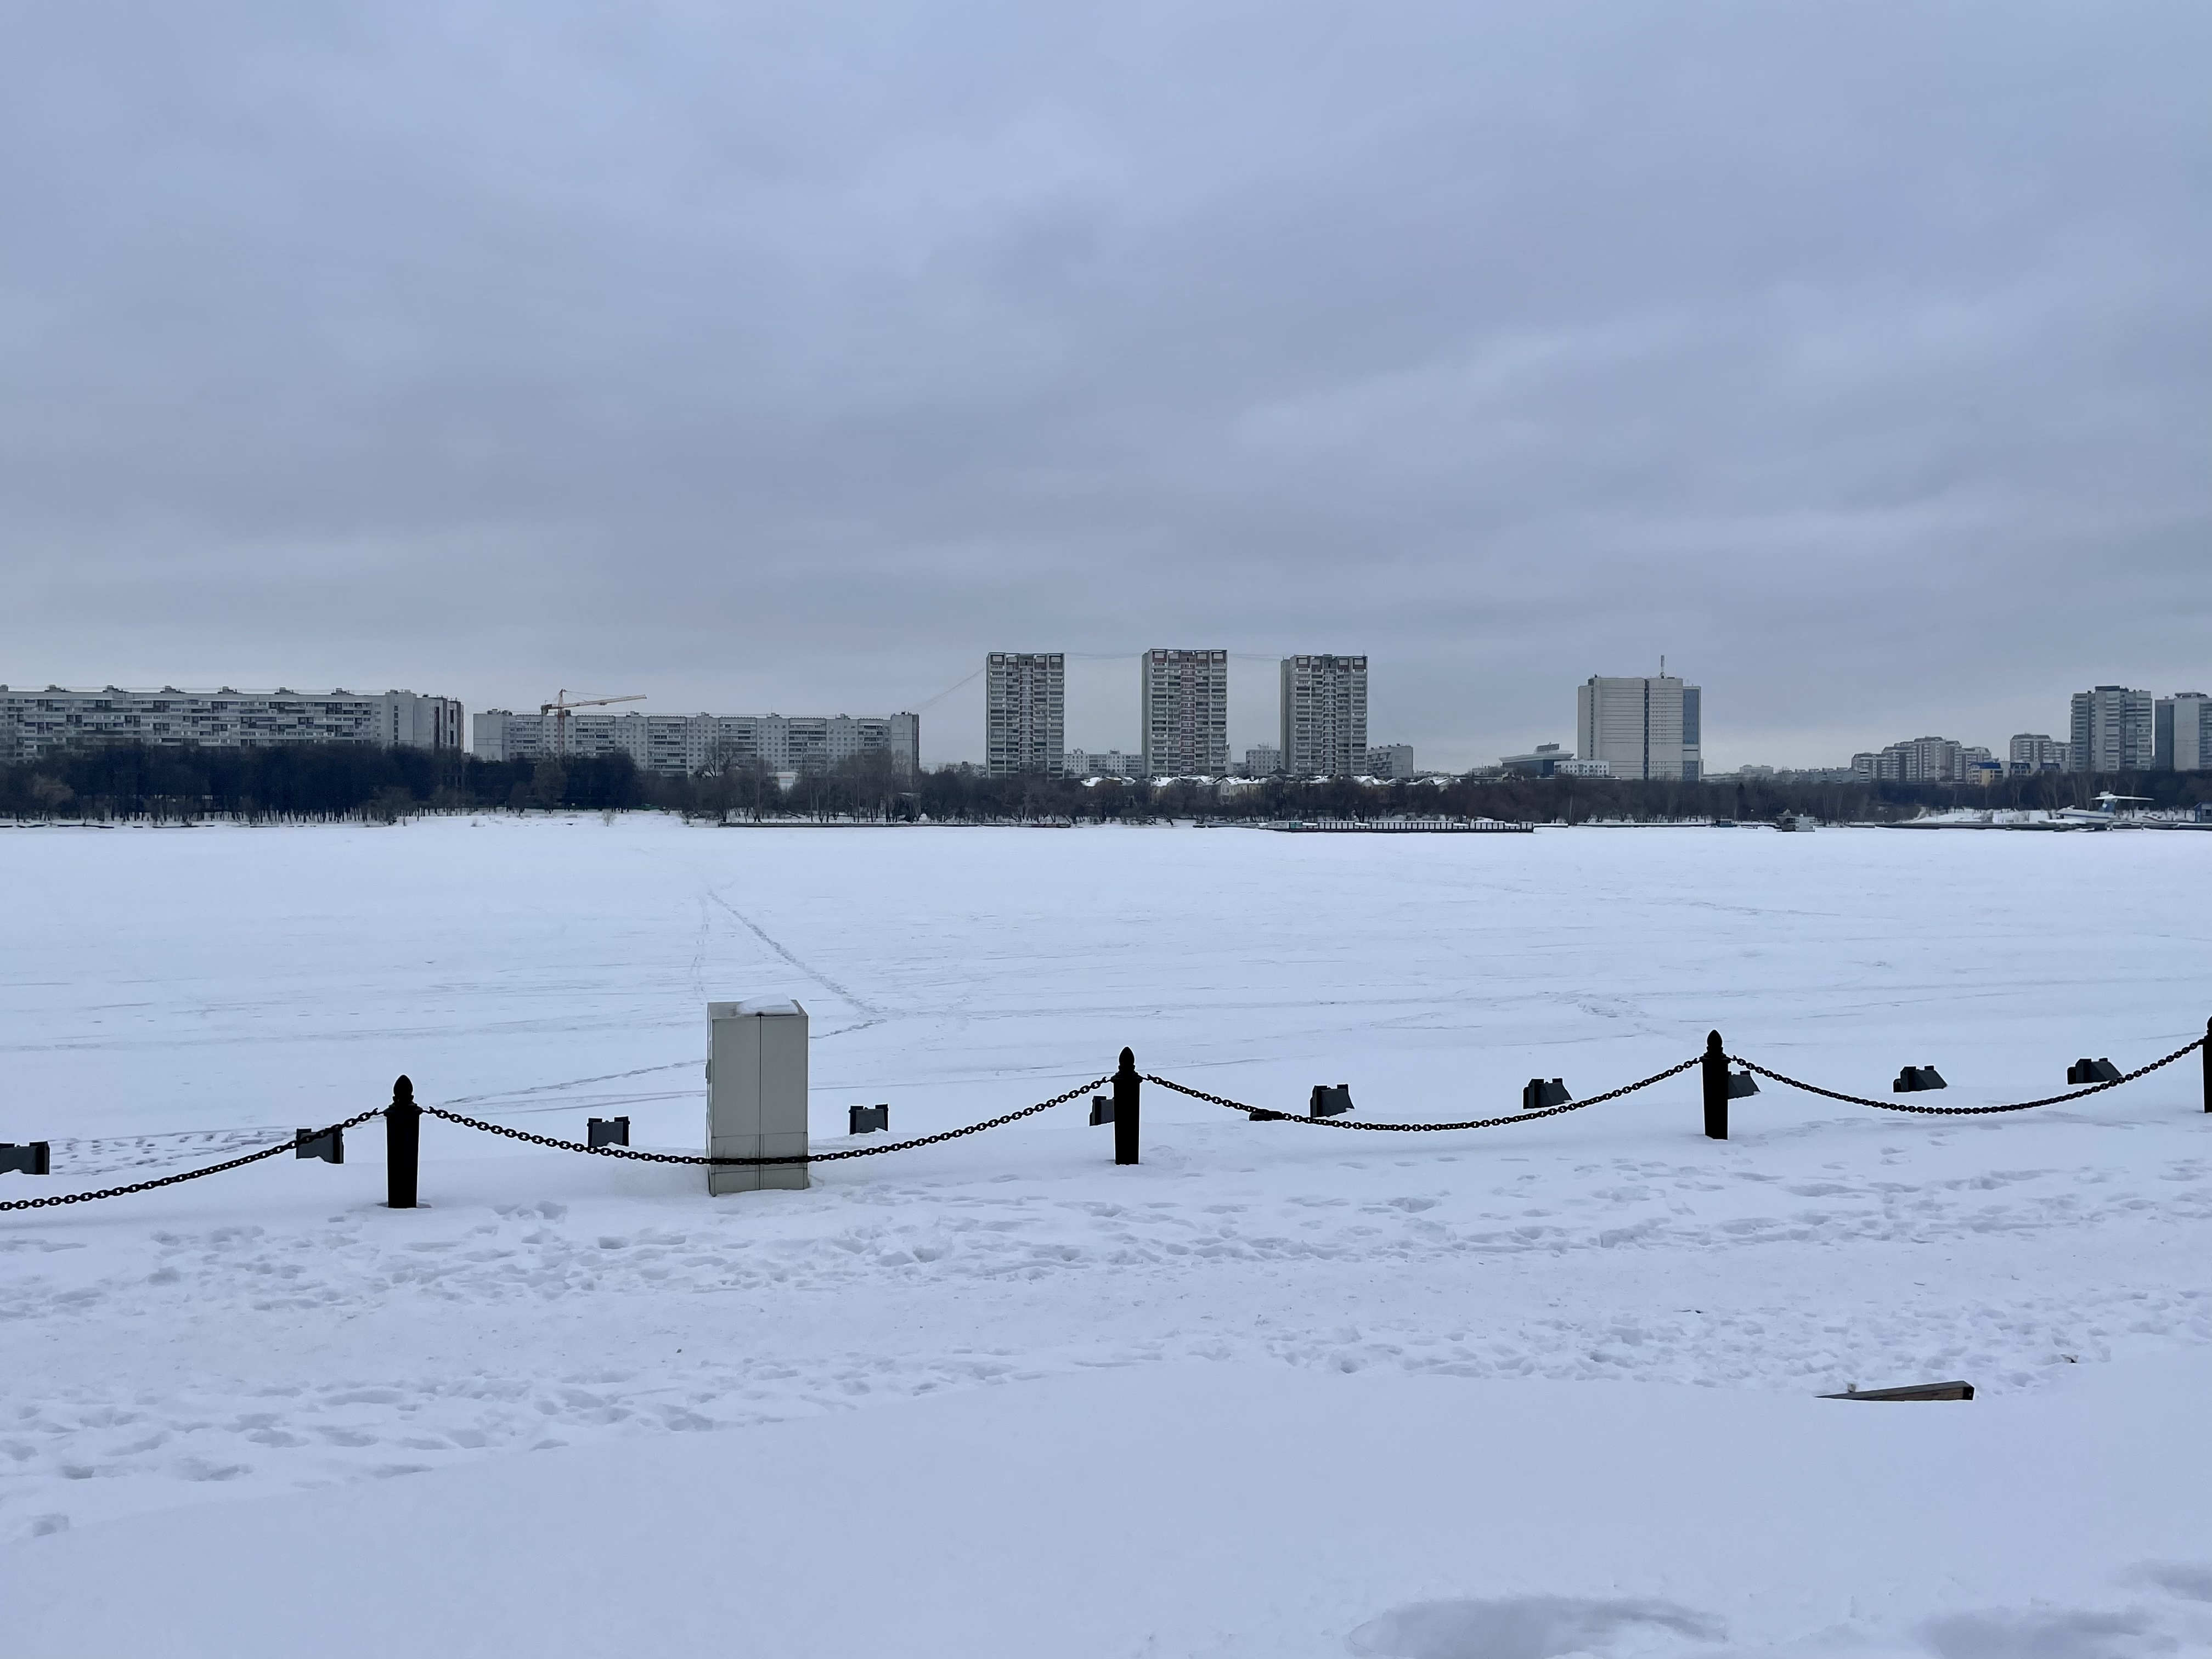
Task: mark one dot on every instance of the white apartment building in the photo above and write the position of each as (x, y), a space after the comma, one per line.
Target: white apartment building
(2114, 730)
(35, 723)
(1113, 763)
(1925, 760)
(2038, 751)
(1183, 713)
(1392, 761)
(1641, 727)
(2182, 733)
(1262, 761)
(1324, 713)
(679, 745)
(1024, 713)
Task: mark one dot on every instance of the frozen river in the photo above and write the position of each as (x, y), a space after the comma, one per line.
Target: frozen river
(275, 1332)
(164, 982)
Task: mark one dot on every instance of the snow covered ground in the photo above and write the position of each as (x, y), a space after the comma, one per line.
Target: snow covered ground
(1322, 1380)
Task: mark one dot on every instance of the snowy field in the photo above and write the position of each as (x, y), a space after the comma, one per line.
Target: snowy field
(1532, 1392)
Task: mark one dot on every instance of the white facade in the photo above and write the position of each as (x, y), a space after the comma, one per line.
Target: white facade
(34, 724)
(1926, 760)
(1113, 763)
(1183, 713)
(1548, 760)
(1393, 761)
(1025, 713)
(679, 745)
(2182, 739)
(2113, 730)
(1262, 761)
(756, 1087)
(2037, 751)
(1324, 715)
(1642, 727)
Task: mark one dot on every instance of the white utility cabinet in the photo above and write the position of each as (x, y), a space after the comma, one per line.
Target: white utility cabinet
(755, 1093)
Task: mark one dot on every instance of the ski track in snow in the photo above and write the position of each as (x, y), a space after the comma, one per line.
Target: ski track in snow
(851, 999)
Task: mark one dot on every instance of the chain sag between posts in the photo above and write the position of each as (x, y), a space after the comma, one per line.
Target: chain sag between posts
(1966, 1111)
(559, 1144)
(1261, 1113)
(282, 1146)
(1268, 1113)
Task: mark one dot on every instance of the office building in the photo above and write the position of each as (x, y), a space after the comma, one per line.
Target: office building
(2181, 733)
(678, 744)
(2037, 751)
(1262, 761)
(1642, 727)
(2113, 730)
(1024, 713)
(1391, 761)
(1324, 715)
(1183, 713)
(36, 723)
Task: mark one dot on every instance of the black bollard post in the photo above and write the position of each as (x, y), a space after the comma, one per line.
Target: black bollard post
(1126, 1085)
(2208, 1065)
(1717, 1082)
(403, 1145)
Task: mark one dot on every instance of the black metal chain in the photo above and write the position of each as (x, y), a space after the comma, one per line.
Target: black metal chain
(1263, 1113)
(754, 1163)
(1969, 1111)
(1268, 1115)
(282, 1146)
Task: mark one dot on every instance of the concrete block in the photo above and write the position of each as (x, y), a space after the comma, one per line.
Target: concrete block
(757, 1092)
(722, 1181)
(777, 1177)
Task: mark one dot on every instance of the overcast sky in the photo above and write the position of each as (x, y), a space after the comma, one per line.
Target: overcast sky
(1856, 356)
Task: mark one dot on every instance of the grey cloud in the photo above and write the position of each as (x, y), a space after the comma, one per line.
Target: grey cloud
(1855, 356)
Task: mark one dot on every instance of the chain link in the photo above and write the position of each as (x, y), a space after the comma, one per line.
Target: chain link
(756, 1162)
(1970, 1111)
(189, 1175)
(1266, 1114)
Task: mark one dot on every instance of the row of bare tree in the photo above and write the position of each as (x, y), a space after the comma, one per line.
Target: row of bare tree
(134, 781)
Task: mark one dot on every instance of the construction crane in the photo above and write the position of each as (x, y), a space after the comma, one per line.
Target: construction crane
(559, 708)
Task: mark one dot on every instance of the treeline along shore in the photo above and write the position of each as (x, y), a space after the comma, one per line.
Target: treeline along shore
(336, 782)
